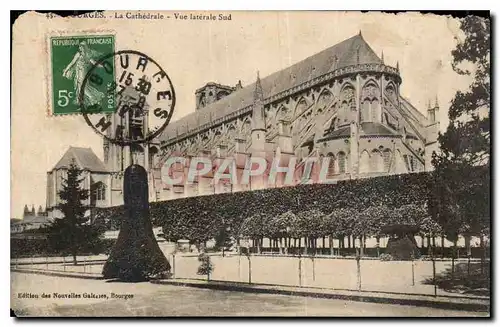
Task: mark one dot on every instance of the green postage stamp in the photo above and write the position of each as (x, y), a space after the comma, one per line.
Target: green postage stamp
(71, 58)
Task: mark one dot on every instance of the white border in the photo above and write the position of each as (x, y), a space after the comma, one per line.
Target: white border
(200, 5)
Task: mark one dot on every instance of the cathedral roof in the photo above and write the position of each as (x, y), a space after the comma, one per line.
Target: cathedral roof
(369, 128)
(349, 52)
(84, 158)
(413, 112)
(338, 133)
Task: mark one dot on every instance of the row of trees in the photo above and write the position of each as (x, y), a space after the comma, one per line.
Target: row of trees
(311, 225)
(358, 207)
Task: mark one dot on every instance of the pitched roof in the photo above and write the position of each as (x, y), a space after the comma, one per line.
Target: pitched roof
(416, 114)
(369, 128)
(349, 52)
(338, 133)
(35, 219)
(84, 158)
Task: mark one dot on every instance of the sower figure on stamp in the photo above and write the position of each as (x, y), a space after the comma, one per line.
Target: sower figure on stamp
(76, 70)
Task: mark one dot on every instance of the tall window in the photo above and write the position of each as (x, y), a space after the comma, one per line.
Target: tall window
(375, 110)
(364, 164)
(301, 106)
(345, 110)
(342, 162)
(377, 162)
(366, 110)
(98, 192)
(407, 162)
(331, 165)
(412, 163)
(387, 159)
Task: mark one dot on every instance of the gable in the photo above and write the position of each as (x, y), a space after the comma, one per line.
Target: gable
(84, 158)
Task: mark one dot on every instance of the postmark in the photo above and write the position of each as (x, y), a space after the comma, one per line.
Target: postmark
(142, 97)
(71, 57)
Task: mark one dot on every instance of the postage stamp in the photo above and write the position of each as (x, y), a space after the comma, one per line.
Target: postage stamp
(71, 57)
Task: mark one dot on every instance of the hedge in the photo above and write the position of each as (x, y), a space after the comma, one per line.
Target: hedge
(200, 218)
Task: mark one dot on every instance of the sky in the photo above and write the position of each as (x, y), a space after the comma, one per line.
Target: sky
(196, 52)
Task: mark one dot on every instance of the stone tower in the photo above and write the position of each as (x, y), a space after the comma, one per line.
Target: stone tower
(213, 92)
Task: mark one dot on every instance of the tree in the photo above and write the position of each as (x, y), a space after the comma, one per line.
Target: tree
(457, 204)
(369, 223)
(223, 238)
(467, 139)
(280, 227)
(252, 227)
(310, 226)
(74, 232)
(339, 224)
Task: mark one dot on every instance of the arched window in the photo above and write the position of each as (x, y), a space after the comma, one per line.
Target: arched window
(342, 162)
(364, 162)
(98, 192)
(387, 154)
(301, 106)
(202, 101)
(400, 165)
(245, 127)
(377, 162)
(412, 163)
(366, 113)
(391, 93)
(375, 111)
(231, 131)
(407, 162)
(344, 111)
(348, 101)
(331, 165)
(324, 99)
(282, 113)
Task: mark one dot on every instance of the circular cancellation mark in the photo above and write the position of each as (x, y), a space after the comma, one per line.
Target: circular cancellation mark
(127, 97)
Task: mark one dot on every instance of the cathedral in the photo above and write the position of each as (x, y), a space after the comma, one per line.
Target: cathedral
(343, 103)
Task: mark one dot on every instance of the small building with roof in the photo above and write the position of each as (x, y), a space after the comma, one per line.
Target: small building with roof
(96, 178)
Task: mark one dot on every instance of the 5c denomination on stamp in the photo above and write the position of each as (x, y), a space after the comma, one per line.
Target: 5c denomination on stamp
(71, 57)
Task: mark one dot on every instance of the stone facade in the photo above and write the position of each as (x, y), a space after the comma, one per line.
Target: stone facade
(30, 220)
(343, 103)
(95, 177)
